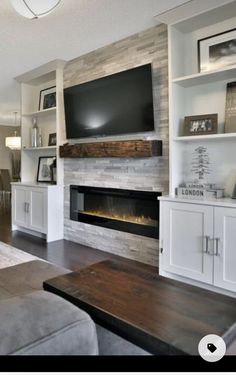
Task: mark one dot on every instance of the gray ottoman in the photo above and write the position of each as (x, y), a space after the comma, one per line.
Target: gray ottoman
(27, 277)
(41, 323)
(35, 322)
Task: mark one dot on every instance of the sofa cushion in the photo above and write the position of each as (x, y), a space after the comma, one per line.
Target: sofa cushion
(26, 277)
(41, 323)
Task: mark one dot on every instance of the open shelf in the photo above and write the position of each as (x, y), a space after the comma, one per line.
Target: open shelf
(40, 113)
(39, 148)
(206, 77)
(206, 137)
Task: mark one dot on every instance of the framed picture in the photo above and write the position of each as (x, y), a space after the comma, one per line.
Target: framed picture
(52, 141)
(46, 169)
(202, 124)
(234, 192)
(47, 98)
(230, 108)
(217, 51)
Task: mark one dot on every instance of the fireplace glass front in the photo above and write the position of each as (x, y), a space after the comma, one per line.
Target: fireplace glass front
(124, 210)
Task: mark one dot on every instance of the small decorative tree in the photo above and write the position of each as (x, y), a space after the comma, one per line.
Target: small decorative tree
(200, 162)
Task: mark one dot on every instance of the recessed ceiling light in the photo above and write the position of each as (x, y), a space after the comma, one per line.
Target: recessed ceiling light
(34, 8)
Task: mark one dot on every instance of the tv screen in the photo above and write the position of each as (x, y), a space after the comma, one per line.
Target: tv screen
(121, 103)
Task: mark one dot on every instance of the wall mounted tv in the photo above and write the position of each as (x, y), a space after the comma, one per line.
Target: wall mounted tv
(121, 103)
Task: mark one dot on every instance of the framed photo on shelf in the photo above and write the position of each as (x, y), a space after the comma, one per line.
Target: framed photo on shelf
(217, 51)
(230, 108)
(52, 140)
(201, 124)
(47, 98)
(46, 169)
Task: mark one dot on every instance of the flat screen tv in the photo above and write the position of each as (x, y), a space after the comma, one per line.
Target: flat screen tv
(121, 103)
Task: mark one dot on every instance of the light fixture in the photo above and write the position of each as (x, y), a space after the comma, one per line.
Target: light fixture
(14, 143)
(34, 8)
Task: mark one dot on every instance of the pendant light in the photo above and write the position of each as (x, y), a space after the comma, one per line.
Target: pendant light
(14, 143)
(34, 8)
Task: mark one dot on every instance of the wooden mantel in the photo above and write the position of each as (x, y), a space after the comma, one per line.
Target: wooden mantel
(113, 149)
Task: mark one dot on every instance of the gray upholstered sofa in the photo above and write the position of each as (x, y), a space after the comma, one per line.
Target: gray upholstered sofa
(35, 322)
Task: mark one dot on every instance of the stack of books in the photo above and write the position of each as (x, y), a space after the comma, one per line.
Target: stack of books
(193, 190)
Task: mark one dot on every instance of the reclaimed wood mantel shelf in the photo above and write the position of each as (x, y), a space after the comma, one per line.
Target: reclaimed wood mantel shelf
(113, 149)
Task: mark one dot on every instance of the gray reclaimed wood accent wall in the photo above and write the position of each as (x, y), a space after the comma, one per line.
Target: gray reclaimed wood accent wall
(148, 174)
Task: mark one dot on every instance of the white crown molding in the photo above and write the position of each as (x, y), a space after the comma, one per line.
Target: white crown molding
(190, 9)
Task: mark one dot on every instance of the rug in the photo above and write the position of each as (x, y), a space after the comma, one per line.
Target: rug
(10, 256)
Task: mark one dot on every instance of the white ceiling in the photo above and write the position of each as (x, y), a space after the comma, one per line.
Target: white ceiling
(73, 29)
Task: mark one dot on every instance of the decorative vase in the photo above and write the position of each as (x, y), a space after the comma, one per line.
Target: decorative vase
(36, 136)
(34, 133)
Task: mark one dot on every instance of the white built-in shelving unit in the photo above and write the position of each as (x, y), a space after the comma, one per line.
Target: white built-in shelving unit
(49, 120)
(197, 236)
(37, 208)
(194, 93)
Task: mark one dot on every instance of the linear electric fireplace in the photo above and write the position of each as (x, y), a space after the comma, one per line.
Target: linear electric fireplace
(124, 210)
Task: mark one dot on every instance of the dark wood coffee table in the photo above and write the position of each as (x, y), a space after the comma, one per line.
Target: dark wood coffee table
(159, 315)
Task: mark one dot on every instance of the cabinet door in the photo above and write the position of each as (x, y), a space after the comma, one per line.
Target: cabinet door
(19, 206)
(187, 240)
(37, 209)
(225, 248)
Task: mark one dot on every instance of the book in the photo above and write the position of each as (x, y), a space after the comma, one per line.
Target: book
(195, 193)
(198, 193)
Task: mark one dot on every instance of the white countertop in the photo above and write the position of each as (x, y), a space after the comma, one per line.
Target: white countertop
(221, 202)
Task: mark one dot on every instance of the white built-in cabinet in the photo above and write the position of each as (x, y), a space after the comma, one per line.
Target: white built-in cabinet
(198, 242)
(187, 238)
(29, 207)
(225, 248)
(38, 208)
(198, 238)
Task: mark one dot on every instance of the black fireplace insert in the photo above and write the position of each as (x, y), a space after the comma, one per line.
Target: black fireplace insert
(124, 210)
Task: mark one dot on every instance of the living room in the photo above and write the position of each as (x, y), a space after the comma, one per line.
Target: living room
(127, 184)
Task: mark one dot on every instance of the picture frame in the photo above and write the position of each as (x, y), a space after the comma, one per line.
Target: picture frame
(47, 98)
(234, 192)
(52, 139)
(46, 169)
(230, 108)
(217, 51)
(201, 124)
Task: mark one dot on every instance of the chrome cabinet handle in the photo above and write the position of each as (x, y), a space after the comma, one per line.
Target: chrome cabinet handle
(26, 207)
(217, 240)
(206, 250)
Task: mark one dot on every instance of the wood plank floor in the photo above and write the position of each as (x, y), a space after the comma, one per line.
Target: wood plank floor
(63, 253)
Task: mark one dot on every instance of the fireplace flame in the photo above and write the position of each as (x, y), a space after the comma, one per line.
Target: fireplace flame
(127, 218)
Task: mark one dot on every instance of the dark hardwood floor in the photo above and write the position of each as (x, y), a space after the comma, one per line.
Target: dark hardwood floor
(63, 253)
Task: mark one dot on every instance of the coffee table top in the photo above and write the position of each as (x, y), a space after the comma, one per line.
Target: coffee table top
(158, 314)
